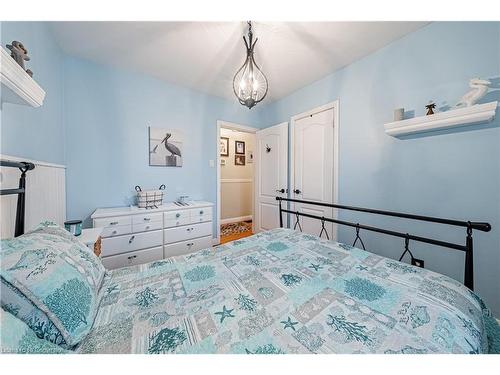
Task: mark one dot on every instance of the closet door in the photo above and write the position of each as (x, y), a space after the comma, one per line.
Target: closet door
(271, 161)
(313, 168)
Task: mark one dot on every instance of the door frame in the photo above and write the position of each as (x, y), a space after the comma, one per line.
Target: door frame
(242, 128)
(335, 105)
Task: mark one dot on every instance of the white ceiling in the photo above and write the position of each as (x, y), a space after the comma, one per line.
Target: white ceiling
(205, 55)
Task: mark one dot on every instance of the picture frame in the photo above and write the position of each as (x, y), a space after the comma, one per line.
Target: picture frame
(239, 147)
(224, 146)
(165, 147)
(239, 160)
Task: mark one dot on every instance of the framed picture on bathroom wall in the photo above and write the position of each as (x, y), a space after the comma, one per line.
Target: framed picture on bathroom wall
(239, 147)
(239, 159)
(224, 146)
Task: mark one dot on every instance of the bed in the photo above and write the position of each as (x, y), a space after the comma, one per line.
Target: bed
(282, 291)
(276, 292)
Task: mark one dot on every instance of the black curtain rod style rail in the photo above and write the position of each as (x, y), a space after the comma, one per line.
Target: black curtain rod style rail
(467, 248)
(21, 191)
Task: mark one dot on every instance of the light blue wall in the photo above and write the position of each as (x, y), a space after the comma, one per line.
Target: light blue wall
(35, 133)
(455, 174)
(107, 114)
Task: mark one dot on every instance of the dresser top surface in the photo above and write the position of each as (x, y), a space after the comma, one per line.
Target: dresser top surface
(134, 210)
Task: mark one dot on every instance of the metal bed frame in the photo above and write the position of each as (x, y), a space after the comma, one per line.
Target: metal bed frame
(468, 248)
(20, 191)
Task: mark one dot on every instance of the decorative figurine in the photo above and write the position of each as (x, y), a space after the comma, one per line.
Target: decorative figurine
(479, 89)
(20, 54)
(430, 108)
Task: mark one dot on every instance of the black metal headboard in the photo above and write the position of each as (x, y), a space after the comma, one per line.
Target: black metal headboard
(21, 191)
(467, 248)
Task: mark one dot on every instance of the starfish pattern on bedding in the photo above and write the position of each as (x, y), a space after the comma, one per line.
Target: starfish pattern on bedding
(289, 324)
(225, 313)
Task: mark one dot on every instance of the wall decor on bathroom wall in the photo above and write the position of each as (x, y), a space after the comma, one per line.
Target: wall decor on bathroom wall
(224, 146)
(239, 159)
(165, 147)
(239, 147)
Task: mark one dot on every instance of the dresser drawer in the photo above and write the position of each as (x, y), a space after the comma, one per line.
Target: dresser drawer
(116, 231)
(145, 227)
(186, 247)
(112, 221)
(131, 242)
(201, 219)
(133, 258)
(147, 218)
(187, 231)
(203, 213)
(176, 215)
(177, 222)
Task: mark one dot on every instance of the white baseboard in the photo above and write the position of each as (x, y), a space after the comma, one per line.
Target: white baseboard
(215, 241)
(236, 219)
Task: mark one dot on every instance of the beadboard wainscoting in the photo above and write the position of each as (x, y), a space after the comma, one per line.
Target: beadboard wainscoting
(45, 195)
(237, 199)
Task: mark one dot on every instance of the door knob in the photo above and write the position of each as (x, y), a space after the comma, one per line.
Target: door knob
(297, 191)
(282, 191)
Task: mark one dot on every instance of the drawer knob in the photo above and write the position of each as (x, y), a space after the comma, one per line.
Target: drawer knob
(177, 215)
(147, 218)
(201, 212)
(147, 227)
(190, 244)
(132, 257)
(114, 232)
(113, 223)
(131, 239)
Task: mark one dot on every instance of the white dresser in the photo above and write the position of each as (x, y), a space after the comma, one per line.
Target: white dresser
(132, 235)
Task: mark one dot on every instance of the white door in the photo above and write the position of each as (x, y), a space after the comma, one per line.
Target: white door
(313, 168)
(271, 162)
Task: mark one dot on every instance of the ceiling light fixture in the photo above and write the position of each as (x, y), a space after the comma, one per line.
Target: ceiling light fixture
(249, 83)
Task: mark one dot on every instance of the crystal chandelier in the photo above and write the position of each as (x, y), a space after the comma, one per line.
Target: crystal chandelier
(249, 83)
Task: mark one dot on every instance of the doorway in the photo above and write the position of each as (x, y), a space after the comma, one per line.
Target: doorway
(235, 181)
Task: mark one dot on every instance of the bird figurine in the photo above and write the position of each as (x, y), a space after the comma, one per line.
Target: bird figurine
(479, 89)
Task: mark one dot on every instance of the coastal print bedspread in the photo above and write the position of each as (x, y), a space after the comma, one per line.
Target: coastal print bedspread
(283, 291)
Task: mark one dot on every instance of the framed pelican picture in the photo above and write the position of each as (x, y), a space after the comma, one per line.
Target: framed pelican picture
(165, 147)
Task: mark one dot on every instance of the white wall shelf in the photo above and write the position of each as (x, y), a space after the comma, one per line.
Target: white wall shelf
(17, 86)
(479, 113)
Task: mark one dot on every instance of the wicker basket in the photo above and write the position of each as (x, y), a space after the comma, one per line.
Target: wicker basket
(149, 198)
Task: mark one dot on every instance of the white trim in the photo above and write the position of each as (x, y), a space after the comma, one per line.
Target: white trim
(335, 105)
(36, 162)
(236, 219)
(227, 125)
(235, 180)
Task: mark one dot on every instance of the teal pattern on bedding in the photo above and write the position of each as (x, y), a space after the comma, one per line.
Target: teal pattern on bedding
(51, 281)
(283, 292)
(17, 337)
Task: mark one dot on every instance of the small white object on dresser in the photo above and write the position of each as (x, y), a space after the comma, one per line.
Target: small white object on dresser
(132, 235)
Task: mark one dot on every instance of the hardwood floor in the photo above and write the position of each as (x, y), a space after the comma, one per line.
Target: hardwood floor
(235, 236)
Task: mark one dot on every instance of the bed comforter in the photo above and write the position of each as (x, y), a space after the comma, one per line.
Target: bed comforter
(285, 292)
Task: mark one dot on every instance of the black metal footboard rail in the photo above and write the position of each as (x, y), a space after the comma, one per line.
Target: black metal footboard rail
(468, 247)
